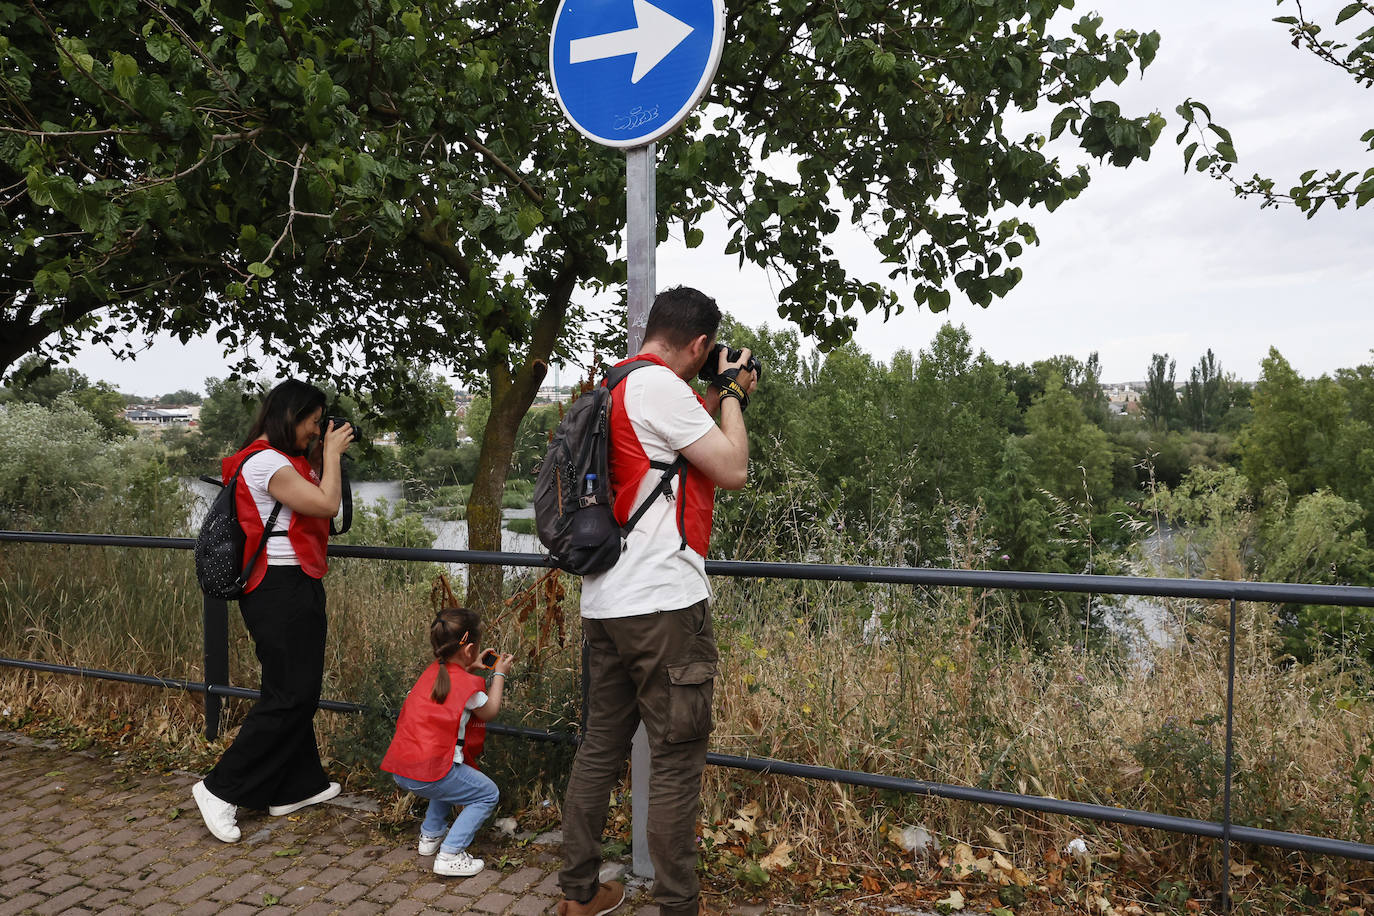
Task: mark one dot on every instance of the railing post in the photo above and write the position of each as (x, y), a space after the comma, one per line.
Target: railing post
(1226, 792)
(216, 626)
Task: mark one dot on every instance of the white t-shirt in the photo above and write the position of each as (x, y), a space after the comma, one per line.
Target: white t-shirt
(257, 471)
(654, 573)
(477, 699)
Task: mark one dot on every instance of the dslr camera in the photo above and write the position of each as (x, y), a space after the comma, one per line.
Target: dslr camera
(329, 422)
(710, 369)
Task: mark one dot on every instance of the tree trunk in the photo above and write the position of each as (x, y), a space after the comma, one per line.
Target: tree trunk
(509, 402)
(24, 328)
(511, 397)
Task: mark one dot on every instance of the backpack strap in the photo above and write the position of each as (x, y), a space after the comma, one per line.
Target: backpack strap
(664, 488)
(671, 469)
(617, 374)
(267, 528)
(267, 532)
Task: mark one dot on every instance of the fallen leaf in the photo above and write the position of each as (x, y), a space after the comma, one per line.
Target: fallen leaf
(1242, 869)
(744, 821)
(965, 860)
(719, 837)
(871, 884)
(779, 858)
(996, 838)
(955, 901)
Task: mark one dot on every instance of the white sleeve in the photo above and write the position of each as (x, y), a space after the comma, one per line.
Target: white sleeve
(479, 698)
(671, 410)
(260, 467)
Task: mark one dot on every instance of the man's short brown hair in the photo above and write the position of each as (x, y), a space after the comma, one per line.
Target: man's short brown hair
(681, 315)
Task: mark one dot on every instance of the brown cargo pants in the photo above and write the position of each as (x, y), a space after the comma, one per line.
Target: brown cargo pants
(659, 668)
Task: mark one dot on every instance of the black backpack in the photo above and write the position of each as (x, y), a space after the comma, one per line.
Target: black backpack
(573, 509)
(219, 546)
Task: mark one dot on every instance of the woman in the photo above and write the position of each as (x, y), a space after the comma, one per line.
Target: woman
(274, 762)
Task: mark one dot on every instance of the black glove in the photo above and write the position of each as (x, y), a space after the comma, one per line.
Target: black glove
(710, 369)
(728, 383)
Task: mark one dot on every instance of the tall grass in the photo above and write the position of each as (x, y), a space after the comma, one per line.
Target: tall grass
(930, 684)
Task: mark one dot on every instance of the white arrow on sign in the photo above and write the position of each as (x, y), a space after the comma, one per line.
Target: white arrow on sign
(653, 38)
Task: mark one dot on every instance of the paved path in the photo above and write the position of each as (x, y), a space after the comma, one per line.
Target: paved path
(81, 835)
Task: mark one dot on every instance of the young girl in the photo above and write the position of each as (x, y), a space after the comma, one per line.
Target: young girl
(436, 742)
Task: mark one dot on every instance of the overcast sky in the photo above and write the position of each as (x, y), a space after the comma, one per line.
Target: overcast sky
(1148, 260)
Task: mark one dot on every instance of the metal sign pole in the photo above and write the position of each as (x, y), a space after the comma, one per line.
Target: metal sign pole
(604, 58)
(641, 238)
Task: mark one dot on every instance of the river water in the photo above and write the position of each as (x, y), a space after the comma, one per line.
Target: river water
(448, 535)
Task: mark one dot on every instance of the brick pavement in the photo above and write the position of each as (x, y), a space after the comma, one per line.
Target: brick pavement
(80, 835)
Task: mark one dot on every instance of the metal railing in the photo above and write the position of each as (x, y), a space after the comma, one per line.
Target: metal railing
(216, 685)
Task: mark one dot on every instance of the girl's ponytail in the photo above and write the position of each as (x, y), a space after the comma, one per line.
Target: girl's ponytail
(452, 629)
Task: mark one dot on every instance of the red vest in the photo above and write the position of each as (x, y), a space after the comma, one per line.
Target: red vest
(696, 496)
(427, 732)
(309, 536)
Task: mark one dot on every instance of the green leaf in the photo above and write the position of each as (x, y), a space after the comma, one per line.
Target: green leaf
(259, 269)
(1364, 192)
(1226, 151)
(528, 219)
(1348, 11)
(694, 237)
(52, 281)
(1188, 155)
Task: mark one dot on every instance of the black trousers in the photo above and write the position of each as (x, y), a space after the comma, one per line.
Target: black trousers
(274, 760)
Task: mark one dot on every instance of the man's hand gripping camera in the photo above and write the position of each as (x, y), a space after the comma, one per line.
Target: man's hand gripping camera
(728, 381)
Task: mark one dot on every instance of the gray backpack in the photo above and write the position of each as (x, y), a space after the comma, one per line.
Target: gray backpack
(574, 512)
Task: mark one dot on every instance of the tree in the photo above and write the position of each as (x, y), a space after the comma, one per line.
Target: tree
(179, 398)
(1296, 428)
(952, 413)
(1204, 399)
(1159, 400)
(1068, 455)
(1354, 56)
(35, 383)
(226, 416)
(354, 184)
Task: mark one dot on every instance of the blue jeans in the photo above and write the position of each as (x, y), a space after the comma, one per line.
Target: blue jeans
(464, 786)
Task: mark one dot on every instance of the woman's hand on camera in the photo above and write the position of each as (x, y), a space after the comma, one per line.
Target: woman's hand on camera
(338, 438)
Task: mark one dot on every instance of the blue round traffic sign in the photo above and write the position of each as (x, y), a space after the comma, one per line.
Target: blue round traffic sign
(627, 72)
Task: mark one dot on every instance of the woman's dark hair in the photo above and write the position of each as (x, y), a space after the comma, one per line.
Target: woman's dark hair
(285, 406)
(452, 629)
(680, 315)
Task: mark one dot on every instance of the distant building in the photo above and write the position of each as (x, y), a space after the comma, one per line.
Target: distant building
(162, 416)
(553, 394)
(1123, 397)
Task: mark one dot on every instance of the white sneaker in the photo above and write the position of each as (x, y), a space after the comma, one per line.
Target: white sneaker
(457, 865)
(219, 815)
(429, 845)
(325, 795)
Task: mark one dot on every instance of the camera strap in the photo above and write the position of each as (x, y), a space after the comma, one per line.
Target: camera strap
(346, 492)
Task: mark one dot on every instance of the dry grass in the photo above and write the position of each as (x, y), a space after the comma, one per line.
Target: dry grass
(936, 695)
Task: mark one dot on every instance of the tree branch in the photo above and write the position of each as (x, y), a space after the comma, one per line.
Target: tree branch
(496, 160)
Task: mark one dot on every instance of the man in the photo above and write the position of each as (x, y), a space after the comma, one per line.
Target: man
(649, 652)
